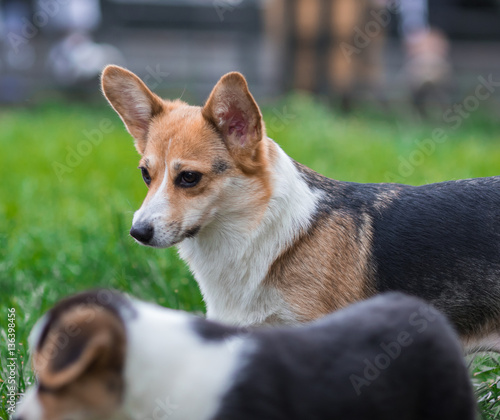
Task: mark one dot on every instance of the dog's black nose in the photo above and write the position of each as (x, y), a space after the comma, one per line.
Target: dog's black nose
(143, 232)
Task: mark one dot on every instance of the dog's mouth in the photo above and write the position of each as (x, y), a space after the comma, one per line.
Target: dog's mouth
(191, 233)
(157, 239)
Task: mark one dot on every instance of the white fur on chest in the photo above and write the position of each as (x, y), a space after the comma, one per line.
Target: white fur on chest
(172, 373)
(230, 258)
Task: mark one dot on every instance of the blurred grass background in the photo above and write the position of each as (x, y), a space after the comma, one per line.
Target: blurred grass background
(62, 234)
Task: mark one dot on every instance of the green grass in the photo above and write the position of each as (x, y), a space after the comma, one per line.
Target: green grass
(60, 235)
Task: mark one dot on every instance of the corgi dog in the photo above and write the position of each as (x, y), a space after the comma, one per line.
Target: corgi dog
(272, 242)
(101, 355)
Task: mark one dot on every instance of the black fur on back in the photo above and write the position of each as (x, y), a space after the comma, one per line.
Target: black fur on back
(213, 331)
(440, 242)
(319, 371)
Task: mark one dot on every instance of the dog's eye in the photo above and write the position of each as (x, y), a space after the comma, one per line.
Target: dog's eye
(188, 179)
(145, 175)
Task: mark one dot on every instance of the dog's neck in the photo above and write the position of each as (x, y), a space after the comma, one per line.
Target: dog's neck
(171, 370)
(231, 258)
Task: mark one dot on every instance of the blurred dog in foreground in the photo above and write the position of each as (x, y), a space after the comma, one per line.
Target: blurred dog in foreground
(101, 355)
(273, 242)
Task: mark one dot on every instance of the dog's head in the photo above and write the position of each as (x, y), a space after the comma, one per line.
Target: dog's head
(200, 163)
(78, 355)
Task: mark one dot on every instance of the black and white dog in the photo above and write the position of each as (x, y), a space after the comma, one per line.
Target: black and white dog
(101, 355)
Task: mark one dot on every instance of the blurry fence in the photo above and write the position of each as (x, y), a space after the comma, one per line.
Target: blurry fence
(179, 44)
(194, 41)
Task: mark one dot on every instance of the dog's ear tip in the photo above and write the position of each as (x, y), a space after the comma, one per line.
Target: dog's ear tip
(234, 74)
(111, 71)
(234, 77)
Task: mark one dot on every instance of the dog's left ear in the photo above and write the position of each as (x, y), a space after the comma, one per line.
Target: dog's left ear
(132, 100)
(84, 337)
(234, 112)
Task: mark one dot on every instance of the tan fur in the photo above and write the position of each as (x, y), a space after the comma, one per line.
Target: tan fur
(385, 198)
(93, 381)
(485, 337)
(186, 141)
(190, 138)
(326, 269)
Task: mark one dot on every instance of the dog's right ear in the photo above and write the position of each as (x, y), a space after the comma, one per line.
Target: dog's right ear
(132, 100)
(83, 337)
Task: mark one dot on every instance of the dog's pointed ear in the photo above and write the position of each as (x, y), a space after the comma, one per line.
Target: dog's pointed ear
(84, 337)
(234, 112)
(132, 100)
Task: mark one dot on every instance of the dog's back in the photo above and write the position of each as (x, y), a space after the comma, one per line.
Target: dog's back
(441, 242)
(392, 357)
